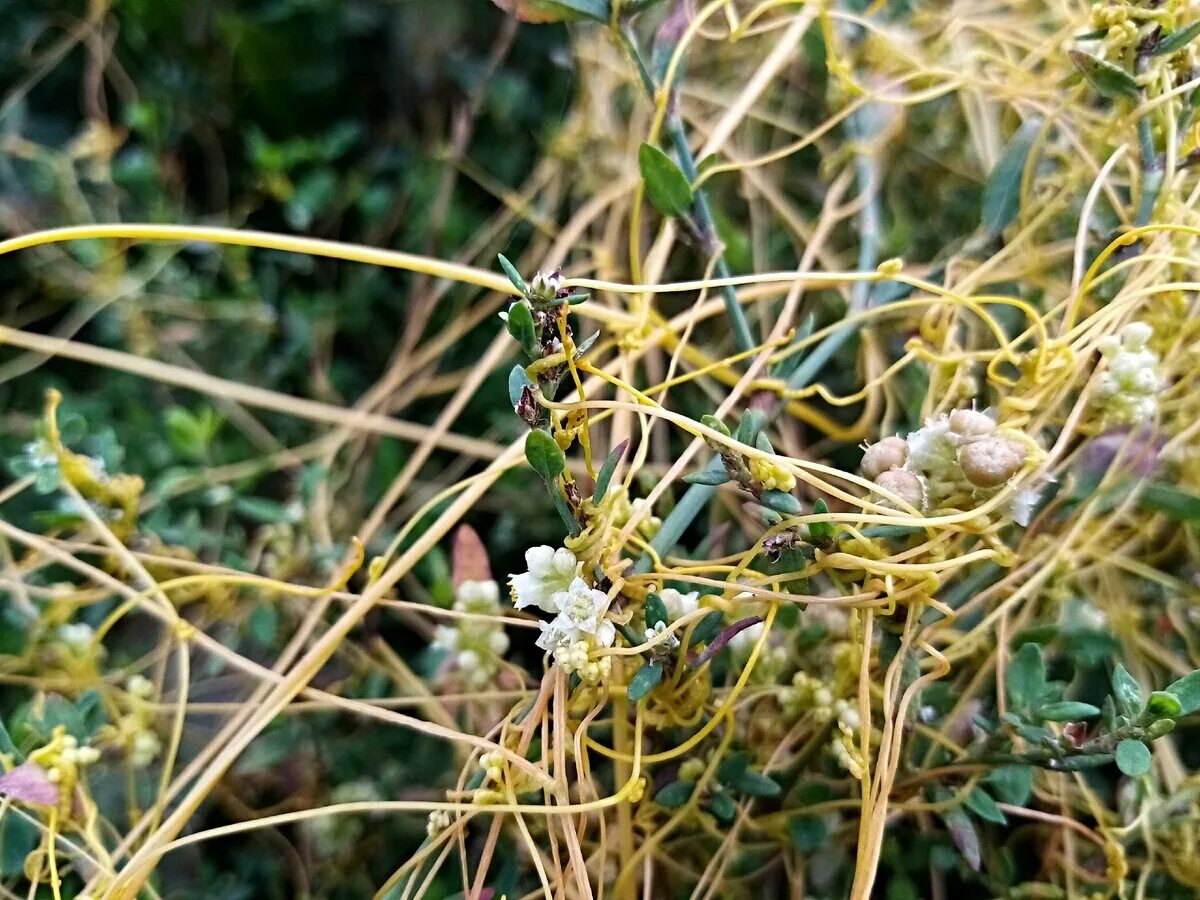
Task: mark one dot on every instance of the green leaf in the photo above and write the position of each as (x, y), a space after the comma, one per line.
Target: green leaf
(1026, 677)
(808, 833)
(1107, 79)
(1163, 705)
(606, 470)
(1170, 501)
(267, 512)
(733, 767)
(785, 367)
(92, 713)
(821, 531)
(1187, 691)
(572, 10)
(666, 186)
(18, 838)
(707, 476)
(981, 803)
(517, 382)
(723, 807)
(1068, 711)
(656, 611)
(710, 626)
(756, 784)
(1133, 758)
(1126, 691)
(513, 275)
(564, 508)
(1002, 193)
(1176, 40)
(190, 434)
(781, 502)
(644, 680)
(7, 746)
(962, 830)
(520, 326)
(1012, 784)
(544, 455)
(675, 794)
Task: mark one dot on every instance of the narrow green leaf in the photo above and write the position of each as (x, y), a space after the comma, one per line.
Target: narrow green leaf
(786, 366)
(1162, 705)
(606, 471)
(585, 345)
(1133, 758)
(707, 476)
(675, 794)
(781, 502)
(513, 275)
(269, 512)
(733, 767)
(1176, 40)
(1170, 501)
(1187, 691)
(656, 611)
(576, 299)
(564, 509)
(821, 531)
(544, 455)
(981, 803)
(1107, 79)
(644, 680)
(7, 746)
(1002, 193)
(1126, 691)
(1026, 677)
(751, 424)
(666, 186)
(1068, 711)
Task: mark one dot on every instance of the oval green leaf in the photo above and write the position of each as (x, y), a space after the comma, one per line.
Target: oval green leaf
(666, 186)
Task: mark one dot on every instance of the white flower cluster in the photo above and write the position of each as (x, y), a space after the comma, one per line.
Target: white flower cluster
(73, 753)
(553, 584)
(1129, 389)
(77, 636)
(144, 745)
(439, 821)
(952, 454)
(679, 604)
(478, 644)
(811, 694)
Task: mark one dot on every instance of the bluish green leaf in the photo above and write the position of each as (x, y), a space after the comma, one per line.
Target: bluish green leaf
(675, 794)
(1002, 193)
(517, 382)
(644, 680)
(1126, 691)
(1012, 784)
(981, 803)
(656, 611)
(18, 838)
(1170, 501)
(1176, 40)
(606, 471)
(520, 326)
(708, 628)
(1133, 758)
(544, 455)
(1107, 79)
(756, 784)
(513, 275)
(706, 476)
(808, 833)
(1026, 679)
(1068, 711)
(666, 185)
(781, 502)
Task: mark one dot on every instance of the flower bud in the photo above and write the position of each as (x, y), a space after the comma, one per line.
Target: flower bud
(992, 461)
(889, 453)
(967, 423)
(905, 485)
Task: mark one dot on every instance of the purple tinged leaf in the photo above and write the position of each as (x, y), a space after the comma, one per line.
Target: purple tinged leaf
(29, 784)
(721, 640)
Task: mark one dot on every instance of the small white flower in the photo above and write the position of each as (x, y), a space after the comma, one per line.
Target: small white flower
(77, 636)
(931, 449)
(679, 604)
(146, 747)
(550, 572)
(478, 596)
(445, 637)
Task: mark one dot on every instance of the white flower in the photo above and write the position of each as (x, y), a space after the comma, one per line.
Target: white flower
(550, 572)
(1128, 389)
(146, 747)
(679, 605)
(580, 612)
(931, 449)
(77, 636)
(478, 596)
